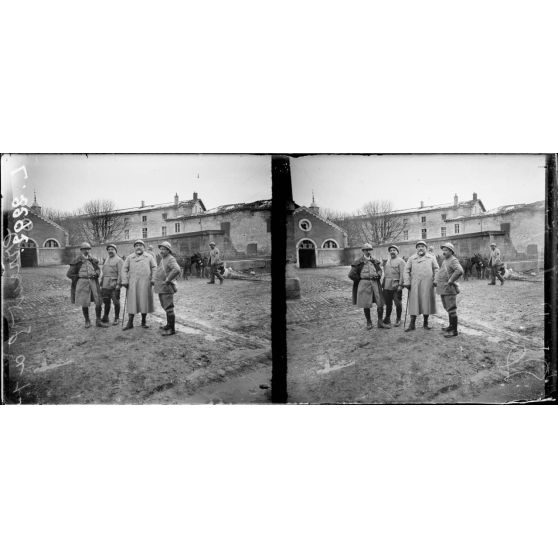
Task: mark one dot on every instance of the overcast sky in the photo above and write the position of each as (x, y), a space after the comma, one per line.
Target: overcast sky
(346, 183)
(66, 182)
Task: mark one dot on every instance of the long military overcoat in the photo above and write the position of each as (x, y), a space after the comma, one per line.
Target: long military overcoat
(420, 272)
(138, 272)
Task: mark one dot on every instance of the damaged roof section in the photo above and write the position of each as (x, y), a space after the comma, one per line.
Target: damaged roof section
(504, 210)
(251, 206)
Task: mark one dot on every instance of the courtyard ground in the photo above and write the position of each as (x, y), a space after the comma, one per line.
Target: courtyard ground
(221, 353)
(497, 357)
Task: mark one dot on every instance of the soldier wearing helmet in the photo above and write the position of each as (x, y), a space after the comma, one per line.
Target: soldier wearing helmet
(165, 284)
(214, 264)
(137, 278)
(84, 272)
(420, 272)
(447, 287)
(366, 273)
(111, 282)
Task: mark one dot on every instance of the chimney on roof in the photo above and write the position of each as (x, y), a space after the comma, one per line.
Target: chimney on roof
(143, 203)
(474, 196)
(176, 199)
(422, 203)
(195, 196)
(455, 200)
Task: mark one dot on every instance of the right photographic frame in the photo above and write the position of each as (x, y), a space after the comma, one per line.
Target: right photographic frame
(414, 279)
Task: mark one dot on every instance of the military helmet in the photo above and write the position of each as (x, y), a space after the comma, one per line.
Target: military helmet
(166, 245)
(139, 241)
(419, 243)
(367, 246)
(85, 245)
(449, 246)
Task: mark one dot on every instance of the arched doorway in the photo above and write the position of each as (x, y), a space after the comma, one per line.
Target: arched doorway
(29, 257)
(306, 253)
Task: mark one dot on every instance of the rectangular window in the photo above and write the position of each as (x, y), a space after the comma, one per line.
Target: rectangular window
(144, 218)
(177, 227)
(444, 215)
(456, 228)
(226, 228)
(423, 234)
(268, 222)
(163, 231)
(164, 215)
(126, 235)
(405, 235)
(423, 219)
(443, 231)
(144, 232)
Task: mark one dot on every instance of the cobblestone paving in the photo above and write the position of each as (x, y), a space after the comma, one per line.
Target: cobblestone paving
(224, 337)
(332, 358)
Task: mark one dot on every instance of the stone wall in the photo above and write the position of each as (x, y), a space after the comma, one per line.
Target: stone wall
(330, 256)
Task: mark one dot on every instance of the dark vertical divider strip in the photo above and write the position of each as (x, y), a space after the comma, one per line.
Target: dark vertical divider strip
(281, 193)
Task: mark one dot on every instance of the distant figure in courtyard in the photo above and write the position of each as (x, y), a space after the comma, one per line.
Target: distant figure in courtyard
(214, 264)
(495, 263)
(366, 273)
(138, 278)
(165, 285)
(110, 283)
(84, 273)
(394, 270)
(447, 288)
(420, 272)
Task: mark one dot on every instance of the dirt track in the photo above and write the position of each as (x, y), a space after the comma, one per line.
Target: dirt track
(497, 357)
(222, 352)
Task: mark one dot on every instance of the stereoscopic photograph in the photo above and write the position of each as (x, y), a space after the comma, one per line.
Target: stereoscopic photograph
(417, 278)
(136, 279)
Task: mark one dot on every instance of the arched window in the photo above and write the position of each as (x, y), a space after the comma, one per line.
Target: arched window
(28, 244)
(51, 243)
(305, 224)
(330, 243)
(307, 245)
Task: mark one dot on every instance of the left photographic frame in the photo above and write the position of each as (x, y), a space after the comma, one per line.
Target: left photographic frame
(136, 279)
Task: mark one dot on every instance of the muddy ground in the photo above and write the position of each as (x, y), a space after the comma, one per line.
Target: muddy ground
(498, 356)
(221, 353)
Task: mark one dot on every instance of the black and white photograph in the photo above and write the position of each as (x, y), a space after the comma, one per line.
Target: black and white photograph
(136, 279)
(416, 279)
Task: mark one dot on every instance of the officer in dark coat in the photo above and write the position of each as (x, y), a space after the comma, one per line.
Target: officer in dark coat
(366, 273)
(84, 273)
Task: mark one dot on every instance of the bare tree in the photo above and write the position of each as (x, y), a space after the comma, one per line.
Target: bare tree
(100, 222)
(376, 222)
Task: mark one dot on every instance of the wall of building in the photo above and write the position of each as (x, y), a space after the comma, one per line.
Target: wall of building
(244, 228)
(321, 230)
(154, 220)
(330, 256)
(51, 256)
(466, 245)
(42, 231)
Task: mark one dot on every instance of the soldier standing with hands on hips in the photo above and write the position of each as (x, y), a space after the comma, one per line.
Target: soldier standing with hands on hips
(447, 287)
(165, 285)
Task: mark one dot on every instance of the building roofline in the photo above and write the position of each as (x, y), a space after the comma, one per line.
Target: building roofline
(502, 210)
(47, 220)
(327, 221)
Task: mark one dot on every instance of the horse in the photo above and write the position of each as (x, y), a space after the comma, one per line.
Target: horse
(467, 266)
(196, 262)
(480, 264)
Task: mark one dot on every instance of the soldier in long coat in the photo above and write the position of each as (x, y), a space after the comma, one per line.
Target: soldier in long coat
(368, 272)
(495, 263)
(165, 284)
(447, 287)
(110, 283)
(394, 271)
(138, 278)
(84, 273)
(420, 272)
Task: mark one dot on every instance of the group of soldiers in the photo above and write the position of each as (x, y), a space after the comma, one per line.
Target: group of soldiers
(141, 274)
(374, 283)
